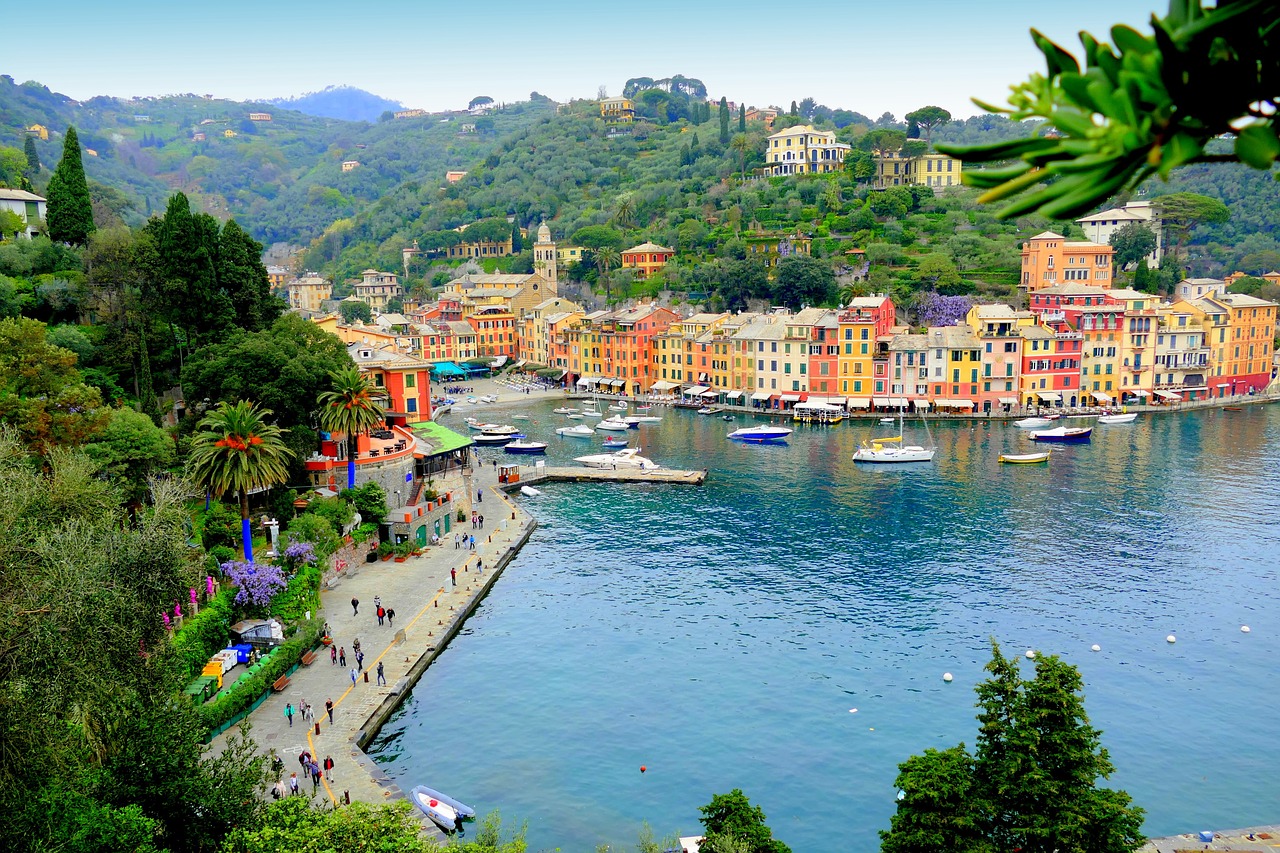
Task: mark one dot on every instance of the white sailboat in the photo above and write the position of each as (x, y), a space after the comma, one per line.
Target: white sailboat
(891, 449)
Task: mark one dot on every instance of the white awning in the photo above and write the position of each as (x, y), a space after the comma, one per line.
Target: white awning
(662, 385)
(617, 383)
(1098, 395)
(1141, 393)
(894, 402)
(814, 406)
(760, 395)
(521, 363)
(1009, 401)
(1050, 396)
(791, 398)
(710, 392)
(954, 404)
(858, 403)
(732, 395)
(920, 405)
(1168, 395)
(588, 380)
(1194, 390)
(695, 390)
(1222, 385)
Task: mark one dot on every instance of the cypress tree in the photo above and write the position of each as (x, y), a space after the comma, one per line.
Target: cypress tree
(244, 279)
(517, 241)
(742, 118)
(70, 209)
(795, 111)
(724, 120)
(33, 157)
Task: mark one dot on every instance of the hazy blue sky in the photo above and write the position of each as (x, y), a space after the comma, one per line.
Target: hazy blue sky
(865, 56)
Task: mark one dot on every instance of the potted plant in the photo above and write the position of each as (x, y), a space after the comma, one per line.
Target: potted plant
(402, 551)
(462, 515)
(385, 550)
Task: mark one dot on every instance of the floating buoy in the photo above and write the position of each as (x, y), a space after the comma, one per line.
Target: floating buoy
(1244, 629)
(853, 710)
(643, 768)
(1095, 647)
(1030, 654)
(1171, 639)
(946, 676)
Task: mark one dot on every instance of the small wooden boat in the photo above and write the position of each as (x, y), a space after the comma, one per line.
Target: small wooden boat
(1064, 435)
(1126, 418)
(1025, 458)
(1233, 408)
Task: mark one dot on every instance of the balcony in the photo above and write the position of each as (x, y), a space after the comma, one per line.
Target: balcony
(1068, 336)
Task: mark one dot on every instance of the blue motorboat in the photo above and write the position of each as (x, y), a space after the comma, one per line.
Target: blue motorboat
(760, 434)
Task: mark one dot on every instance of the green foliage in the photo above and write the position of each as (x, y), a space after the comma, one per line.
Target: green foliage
(221, 525)
(801, 280)
(937, 272)
(349, 406)
(70, 210)
(354, 311)
(370, 500)
(33, 156)
(1032, 783)
(1147, 106)
(129, 450)
(336, 511)
(240, 696)
(732, 817)
(1132, 242)
(203, 634)
(317, 530)
(928, 118)
(1180, 212)
(300, 595)
(11, 224)
(42, 395)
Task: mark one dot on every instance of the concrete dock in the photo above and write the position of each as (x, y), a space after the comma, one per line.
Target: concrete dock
(1255, 839)
(532, 476)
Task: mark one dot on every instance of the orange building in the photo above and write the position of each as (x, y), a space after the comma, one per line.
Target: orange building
(1050, 259)
(646, 259)
(1251, 328)
(613, 350)
(406, 380)
(495, 332)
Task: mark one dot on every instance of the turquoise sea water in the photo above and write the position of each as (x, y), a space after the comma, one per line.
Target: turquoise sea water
(721, 635)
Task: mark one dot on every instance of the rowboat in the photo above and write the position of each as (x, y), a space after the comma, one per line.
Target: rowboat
(1025, 458)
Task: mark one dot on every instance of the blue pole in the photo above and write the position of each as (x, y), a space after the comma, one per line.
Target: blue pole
(247, 537)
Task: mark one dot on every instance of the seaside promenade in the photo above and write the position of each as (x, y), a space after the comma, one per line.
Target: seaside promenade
(429, 610)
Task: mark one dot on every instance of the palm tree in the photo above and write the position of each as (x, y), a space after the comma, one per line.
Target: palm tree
(606, 259)
(349, 407)
(625, 213)
(235, 450)
(742, 145)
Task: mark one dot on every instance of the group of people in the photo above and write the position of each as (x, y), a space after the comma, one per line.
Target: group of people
(464, 541)
(310, 767)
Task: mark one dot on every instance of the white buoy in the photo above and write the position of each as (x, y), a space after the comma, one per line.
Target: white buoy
(1171, 639)
(946, 676)
(1030, 654)
(1244, 629)
(853, 710)
(1096, 647)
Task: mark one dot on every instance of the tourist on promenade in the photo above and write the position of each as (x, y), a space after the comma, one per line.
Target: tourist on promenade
(479, 496)
(482, 521)
(328, 766)
(303, 758)
(391, 616)
(315, 777)
(288, 712)
(355, 606)
(377, 601)
(479, 566)
(328, 709)
(302, 709)
(333, 655)
(382, 679)
(473, 519)
(293, 784)
(455, 541)
(453, 575)
(353, 678)
(342, 656)
(473, 543)
(360, 661)
(381, 615)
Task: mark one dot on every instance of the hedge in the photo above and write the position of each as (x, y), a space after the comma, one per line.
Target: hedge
(241, 696)
(203, 634)
(302, 594)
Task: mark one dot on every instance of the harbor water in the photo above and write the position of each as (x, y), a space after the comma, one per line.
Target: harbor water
(723, 636)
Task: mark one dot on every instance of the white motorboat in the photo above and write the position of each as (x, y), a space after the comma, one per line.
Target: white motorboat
(760, 434)
(612, 443)
(629, 458)
(1127, 418)
(613, 425)
(519, 417)
(886, 420)
(574, 416)
(620, 406)
(565, 410)
(479, 426)
(576, 431)
(891, 449)
(494, 438)
(530, 491)
(524, 446)
(1066, 435)
(708, 410)
(489, 398)
(441, 808)
(1032, 423)
(644, 419)
(592, 413)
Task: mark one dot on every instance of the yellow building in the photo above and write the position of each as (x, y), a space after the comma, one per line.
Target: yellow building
(40, 131)
(1251, 329)
(307, 292)
(803, 150)
(955, 367)
(860, 326)
(771, 248)
(617, 110)
(1183, 353)
(536, 324)
(521, 291)
(568, 255)
(680, 352)
(1102, 334)
(926, 170)
(1138, 344)
(376, 289)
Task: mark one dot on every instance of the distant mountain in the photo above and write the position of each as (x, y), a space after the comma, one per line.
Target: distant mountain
(342, 102)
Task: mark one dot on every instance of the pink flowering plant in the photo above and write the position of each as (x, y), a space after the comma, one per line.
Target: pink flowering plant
(256, 583)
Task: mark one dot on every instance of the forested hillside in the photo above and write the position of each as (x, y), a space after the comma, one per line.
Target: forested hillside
(345, 102)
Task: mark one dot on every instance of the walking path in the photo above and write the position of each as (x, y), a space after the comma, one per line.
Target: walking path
(1264, 838)
(429, 610)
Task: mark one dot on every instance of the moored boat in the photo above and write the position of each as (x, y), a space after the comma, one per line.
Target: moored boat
(1127, 418)
(760, 434)
(643, 419)
(613, 425)
(629, 458)
(523, 446)
(1064, 435)
(565, 410)
(1025, 458)
(576, 431)
(495, 438)
(445, 811)
(887, 450)
(1032, 423)
(530, 491)
(620, 406)
(612, 443)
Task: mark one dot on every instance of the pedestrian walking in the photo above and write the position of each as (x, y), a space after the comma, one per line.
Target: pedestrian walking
(328, 766)
(303, 758)
(293, 784)
(382, 614)
(355, 606)
(360, 661)
(391, 616)
(353, 678)
(377, 601)
(479, 566)
(302, 709)
(455, 541)
(342, 656)
(495, 464)
(315, 777)
(482, 521)
(333, 656)
(473, 519)
(382, 679)
(473, 543)
(479, 496)
(288, 712)
(453, 575)
(328, 709)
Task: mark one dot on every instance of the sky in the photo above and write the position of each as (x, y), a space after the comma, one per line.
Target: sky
(871, 57)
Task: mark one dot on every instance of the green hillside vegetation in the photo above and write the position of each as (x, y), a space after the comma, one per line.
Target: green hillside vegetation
(345, 102)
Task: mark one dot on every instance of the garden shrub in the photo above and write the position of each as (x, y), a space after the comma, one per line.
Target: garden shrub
(203, 634)
(246, 691)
